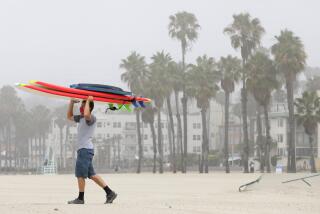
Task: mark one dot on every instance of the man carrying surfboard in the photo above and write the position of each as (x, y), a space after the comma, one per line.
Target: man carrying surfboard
(84, 168)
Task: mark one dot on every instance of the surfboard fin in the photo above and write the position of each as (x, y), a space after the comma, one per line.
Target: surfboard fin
(135, 104)
(141, 103)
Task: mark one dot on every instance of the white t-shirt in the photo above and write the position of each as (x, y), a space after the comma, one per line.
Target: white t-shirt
(85, 131)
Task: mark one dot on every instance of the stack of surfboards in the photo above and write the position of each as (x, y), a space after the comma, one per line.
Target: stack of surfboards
(101, 93)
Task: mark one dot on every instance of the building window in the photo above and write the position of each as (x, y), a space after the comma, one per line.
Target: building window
(280, 122)
(196, 126)
(194, 149)
(194, 137)
(198, 137)
(116, 124)
(280, 138)
(146, 137)
(198, 148)
(99, 124)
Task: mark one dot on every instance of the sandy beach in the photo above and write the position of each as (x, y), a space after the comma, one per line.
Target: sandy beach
(167, 193)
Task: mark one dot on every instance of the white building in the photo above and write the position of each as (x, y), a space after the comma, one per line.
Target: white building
(279, 130)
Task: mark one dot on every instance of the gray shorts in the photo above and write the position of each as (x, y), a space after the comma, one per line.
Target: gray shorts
(84, 167)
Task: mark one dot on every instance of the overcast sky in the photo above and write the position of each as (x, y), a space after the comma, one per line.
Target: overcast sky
(71, 41)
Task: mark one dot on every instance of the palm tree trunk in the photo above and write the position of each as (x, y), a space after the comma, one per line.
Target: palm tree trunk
(15, 154)
(260, 140)
(1, 134)
(154, 143)
(179, 134)
(160, 146)
(6, 148)
(174, 168)
(268, 138)
(61, 148)
(245, 122)
(66, 144)
(226, 131)
(184, 101)
(312, 162)
(292, 126)
(185, 131)
(139, 141)
(205, 142)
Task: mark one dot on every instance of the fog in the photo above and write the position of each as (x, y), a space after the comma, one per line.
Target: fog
(73, 41)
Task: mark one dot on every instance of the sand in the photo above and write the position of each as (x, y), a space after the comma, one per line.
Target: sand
(166, 193)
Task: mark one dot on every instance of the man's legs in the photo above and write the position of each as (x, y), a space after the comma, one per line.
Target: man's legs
(81, 184)
(110, 194)
(81, 187)
(98, 180)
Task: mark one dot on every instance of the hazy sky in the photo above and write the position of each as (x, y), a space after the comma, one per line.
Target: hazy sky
(71, 41)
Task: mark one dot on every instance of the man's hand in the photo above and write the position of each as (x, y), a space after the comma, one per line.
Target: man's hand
(90, 98)
(74, 100)
(70, 109)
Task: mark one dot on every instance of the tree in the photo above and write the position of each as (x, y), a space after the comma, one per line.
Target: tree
(23, 133)
(308, 115)
(202, 79)
(60, 114)
(230, 68)
(158, 67)
(147, 116)
(135, 76)
(245, 34)
(261, 81)
(290, 59)
(184, 27)
(10, 106)
(176, 79)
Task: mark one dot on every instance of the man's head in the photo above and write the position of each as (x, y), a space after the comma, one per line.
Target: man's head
(83, 104)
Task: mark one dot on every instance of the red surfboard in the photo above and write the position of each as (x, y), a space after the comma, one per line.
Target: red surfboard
(87, 93)
(71, 95)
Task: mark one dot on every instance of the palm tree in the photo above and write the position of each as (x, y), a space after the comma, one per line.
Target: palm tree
(184, 27)
(135, 76)
(147, 116)
(176, 79)
(158, 67)
(261, 82)
(245, 34)
(202, 80)
(290, 59)
(10, 105)
(230, 68)
(308, 115)
(41, 120)
(61, 121)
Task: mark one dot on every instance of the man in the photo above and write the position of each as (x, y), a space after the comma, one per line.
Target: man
(84, 168)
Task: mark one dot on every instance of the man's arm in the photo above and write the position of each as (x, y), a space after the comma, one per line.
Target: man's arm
(70, 110)
(87, 112)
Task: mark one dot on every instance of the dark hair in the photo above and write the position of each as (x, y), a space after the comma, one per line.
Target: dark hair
(91, 104)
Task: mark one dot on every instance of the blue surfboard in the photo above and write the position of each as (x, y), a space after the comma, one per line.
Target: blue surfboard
(100, 86)
(100, 89)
